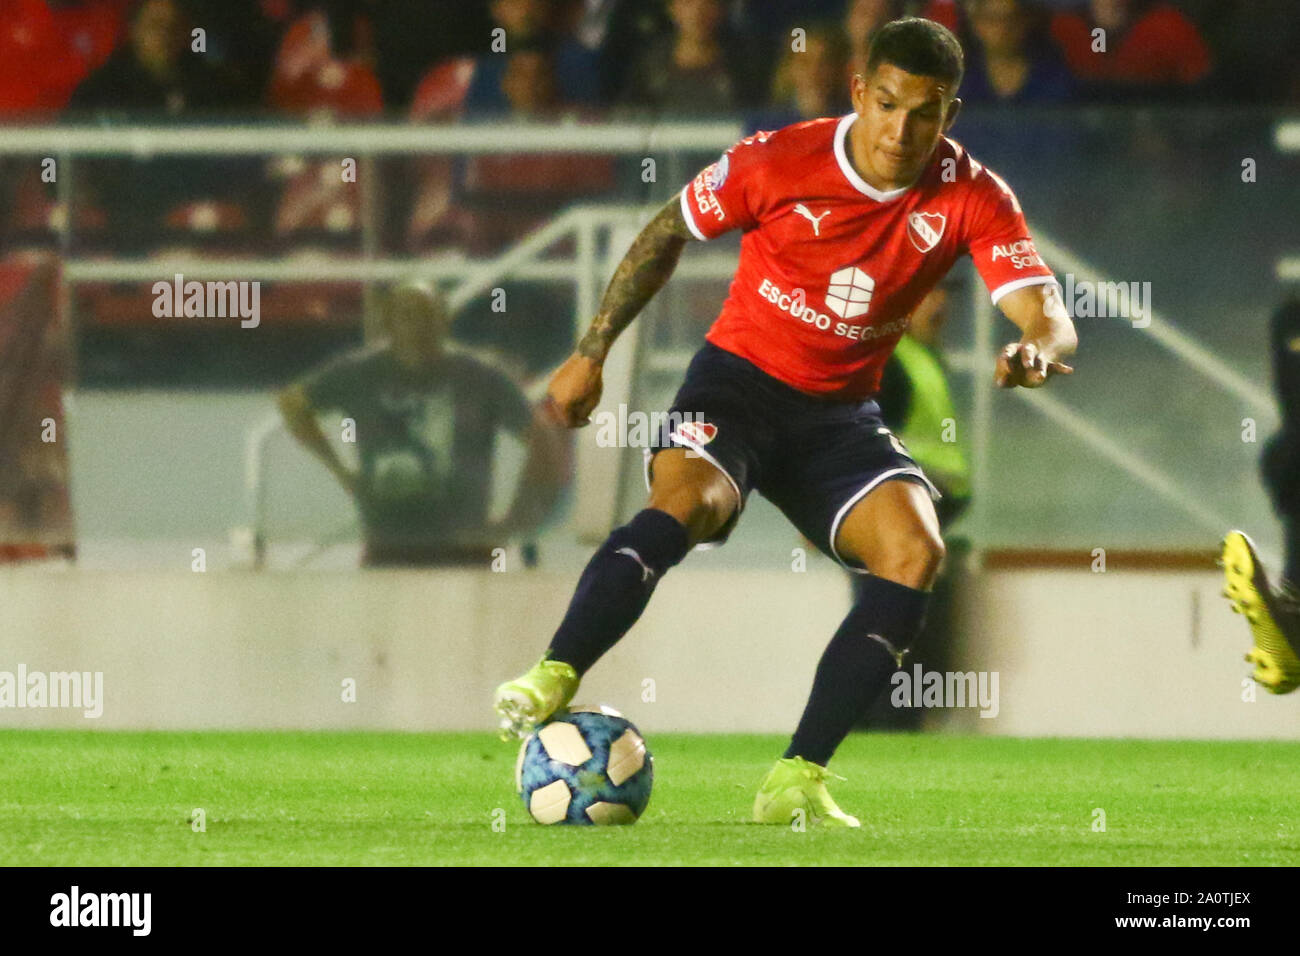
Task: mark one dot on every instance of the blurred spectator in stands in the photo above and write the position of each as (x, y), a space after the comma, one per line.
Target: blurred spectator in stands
(418, 202)
(47, 48)
(155, 74)
(617, 31)
(529, 83)
(323, 70)
(1145, 48)
(815, 82)
(951, 14)
(1254, 48)
(862, 18)
(1014, 59)
(497, 198)
(413, 38)
(770, 21)
(698, 69)
(323, 67)
(810, 82)
(531, 24)
(242, 36)
(427, 417)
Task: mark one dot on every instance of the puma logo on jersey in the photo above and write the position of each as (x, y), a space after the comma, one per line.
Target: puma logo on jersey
(816, 221)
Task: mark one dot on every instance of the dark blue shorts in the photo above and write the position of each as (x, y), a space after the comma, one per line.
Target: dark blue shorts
(813, 458)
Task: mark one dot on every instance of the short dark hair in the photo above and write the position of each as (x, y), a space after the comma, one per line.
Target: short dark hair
(918, 46)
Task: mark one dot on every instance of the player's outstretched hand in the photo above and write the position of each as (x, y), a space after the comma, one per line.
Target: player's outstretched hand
(575, 391)
(1023, 365)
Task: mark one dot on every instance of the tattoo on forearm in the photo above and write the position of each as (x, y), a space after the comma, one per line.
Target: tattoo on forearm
(641, 274)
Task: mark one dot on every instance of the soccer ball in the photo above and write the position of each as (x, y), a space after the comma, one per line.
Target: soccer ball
(585, 766)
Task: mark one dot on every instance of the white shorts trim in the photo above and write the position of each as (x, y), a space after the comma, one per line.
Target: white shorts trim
(648, 456)
(862, 493)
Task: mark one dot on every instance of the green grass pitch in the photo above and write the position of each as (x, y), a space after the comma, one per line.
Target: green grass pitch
(112, 798)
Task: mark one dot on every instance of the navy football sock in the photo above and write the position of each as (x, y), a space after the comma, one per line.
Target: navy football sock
(857, 664)
(616, 586)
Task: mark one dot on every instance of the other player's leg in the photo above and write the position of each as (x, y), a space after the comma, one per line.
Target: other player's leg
(691, 501)
(892, 531)
(1271, 615)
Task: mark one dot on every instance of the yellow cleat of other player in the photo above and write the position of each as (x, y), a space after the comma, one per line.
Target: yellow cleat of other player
(1277, 667)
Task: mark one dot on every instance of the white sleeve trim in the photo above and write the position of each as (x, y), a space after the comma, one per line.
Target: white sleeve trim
(1009, 287)
(690, 218)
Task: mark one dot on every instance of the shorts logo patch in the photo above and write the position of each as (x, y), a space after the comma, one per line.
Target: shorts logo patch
(700, 433)
(895, 441)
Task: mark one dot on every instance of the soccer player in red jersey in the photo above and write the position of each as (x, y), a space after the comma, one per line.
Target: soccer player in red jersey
(848, 222)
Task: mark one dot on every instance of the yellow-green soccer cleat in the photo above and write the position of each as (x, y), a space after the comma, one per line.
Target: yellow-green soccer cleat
(526, 701)
(1276, 665)
(797, 784)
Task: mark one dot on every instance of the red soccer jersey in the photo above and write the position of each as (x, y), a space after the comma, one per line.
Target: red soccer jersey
(830, 268)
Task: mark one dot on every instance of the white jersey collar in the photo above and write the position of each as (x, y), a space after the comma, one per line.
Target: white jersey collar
(851, 174)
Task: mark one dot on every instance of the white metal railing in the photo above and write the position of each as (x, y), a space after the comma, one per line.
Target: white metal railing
(1162, 333)
(1165, 334)
(467, 278)
(366, 140)
(588, 225)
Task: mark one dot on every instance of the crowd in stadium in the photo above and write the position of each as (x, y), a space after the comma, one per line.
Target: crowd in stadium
(759, 63)
(437, 59)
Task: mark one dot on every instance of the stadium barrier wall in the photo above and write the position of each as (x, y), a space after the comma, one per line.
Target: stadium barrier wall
(1125, 653)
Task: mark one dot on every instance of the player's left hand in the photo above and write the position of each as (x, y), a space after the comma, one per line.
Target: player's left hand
(1022, 364)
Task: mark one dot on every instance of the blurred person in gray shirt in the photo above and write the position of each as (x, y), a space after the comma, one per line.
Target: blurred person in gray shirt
(426, 421)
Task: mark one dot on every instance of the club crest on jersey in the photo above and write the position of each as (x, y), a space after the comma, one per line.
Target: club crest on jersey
(698, 433)
(925, 229)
